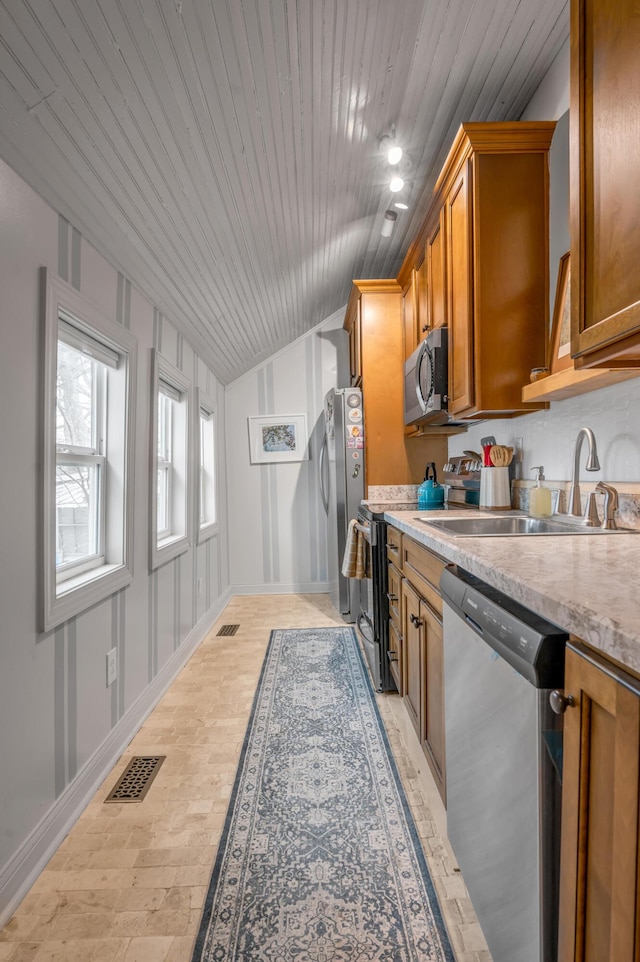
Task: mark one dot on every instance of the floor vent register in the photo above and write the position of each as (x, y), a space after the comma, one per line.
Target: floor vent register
(228, 629)
(135, 781)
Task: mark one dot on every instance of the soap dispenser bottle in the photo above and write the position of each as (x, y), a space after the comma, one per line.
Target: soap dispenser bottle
(540, 496)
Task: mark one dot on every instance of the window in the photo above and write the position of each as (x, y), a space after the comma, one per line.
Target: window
(207, 508)
(88, 436)
(170, 487)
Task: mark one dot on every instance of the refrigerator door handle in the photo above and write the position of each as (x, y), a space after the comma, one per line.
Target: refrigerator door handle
(322, 460)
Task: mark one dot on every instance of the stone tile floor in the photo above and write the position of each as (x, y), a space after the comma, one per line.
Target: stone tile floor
(128, 882)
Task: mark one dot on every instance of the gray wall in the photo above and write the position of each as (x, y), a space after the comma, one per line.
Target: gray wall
(61, 727)
(277, 525)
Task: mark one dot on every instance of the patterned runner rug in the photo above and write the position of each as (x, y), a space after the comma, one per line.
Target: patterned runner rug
(319, 860)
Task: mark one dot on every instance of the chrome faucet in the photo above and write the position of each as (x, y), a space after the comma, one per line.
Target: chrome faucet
(575, 506)
(610, 504)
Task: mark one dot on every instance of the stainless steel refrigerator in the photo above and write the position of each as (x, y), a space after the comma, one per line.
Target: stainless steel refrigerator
(342, 487)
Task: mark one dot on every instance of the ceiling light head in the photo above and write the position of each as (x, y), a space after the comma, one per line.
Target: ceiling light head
(400, 205)
(388, 223)
(394, 155)
(396, 184)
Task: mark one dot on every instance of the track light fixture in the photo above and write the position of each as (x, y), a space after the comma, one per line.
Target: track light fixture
(388, 223)
(388, 143)
(396, 184)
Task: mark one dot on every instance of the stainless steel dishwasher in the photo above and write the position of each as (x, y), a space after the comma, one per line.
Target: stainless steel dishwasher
(503, 745)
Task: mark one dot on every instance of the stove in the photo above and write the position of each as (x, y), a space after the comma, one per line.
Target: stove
(461, 480)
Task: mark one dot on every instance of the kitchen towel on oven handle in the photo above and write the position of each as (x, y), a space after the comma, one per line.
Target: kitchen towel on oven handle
(356, 557)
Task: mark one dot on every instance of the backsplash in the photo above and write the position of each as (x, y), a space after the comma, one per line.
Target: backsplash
(548, 437)
(628, 515)
(392, 492)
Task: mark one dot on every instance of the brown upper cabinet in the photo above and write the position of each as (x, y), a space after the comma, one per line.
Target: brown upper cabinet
(373, 320)
(424, 294)
(494, 220)
(604, 183)
(410, 314)
(436, 275)
(355, 346)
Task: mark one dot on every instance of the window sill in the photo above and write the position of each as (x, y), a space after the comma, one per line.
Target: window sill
(167, 549)
(207, 531)
(74, 595)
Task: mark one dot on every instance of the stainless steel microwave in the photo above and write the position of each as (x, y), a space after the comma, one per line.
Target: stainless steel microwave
(425, 380)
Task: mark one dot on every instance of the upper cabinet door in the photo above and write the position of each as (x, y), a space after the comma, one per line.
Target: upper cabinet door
(355, 347)
(436, 277)
(605, 182)
(458, 230)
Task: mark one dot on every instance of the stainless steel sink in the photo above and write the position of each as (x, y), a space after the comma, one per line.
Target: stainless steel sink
(500, 526)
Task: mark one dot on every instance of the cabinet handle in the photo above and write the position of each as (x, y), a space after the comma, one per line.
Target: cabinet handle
(392, 655)
(415, 621)
(391, 597)
(392, 547)
(560, 702)
(425, 328)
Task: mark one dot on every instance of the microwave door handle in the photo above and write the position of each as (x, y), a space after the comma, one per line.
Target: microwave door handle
(321, 468)
(422, 401)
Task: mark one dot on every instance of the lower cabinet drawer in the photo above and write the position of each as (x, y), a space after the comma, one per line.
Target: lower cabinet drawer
(394, 546)
(422, 569)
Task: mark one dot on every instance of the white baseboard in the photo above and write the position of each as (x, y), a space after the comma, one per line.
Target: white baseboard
(21, 871)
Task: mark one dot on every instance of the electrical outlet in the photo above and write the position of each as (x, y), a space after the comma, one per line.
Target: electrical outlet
(517, 457)
(112, 666)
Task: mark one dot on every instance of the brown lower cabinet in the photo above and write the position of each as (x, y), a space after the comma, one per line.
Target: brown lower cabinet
(423, 658)
(600, 865)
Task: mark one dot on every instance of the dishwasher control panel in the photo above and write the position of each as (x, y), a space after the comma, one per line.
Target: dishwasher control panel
(529, 643)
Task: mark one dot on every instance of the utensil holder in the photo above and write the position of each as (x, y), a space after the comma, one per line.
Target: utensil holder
(495, 489)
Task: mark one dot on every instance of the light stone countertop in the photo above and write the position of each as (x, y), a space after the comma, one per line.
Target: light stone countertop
(587, 585)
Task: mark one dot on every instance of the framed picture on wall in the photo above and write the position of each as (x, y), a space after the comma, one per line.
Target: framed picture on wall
(560, 341)
(275, 438)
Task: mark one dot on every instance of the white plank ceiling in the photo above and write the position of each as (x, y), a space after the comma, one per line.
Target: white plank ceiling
(224, 154)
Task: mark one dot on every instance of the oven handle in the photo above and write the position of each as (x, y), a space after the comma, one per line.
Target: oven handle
(364, 529)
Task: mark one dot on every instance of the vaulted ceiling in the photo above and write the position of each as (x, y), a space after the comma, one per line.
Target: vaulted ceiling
(225, 154)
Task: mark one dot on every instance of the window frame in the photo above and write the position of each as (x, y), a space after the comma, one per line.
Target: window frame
(178, 386)
(93, 456)
(206, 403)
(64, 597)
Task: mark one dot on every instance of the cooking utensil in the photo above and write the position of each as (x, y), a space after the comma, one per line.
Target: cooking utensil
(501, 455)
(487, 444)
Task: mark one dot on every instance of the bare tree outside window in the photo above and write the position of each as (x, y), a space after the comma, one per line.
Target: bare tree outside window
(78, 467)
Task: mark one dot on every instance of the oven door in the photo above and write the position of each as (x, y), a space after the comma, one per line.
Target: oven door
(373, 617)
(366, 620)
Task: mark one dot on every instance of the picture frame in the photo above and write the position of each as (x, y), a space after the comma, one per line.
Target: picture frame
(276, 438)
(560, 340)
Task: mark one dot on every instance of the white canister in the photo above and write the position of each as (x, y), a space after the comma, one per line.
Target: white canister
(495, 489)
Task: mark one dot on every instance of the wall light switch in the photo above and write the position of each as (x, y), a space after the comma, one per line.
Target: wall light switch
(112, 666)
(200, 586)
